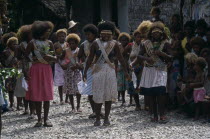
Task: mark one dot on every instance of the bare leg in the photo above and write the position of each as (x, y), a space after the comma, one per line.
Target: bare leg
(119, 95)
(153, 105)
(108, 105)
(46, 112)
(161, 108)
(71, 97)
(67, 97)
(136, 98)
(197, 110)
(161, 105)
(131, 99)
(11, 98)
(19, 99)
(78, 102)
(38, 106)
(32, 107)
(98, 113)
(60, 90)
(92, 103)
(123, 96)
(26, 103)
(146, 102)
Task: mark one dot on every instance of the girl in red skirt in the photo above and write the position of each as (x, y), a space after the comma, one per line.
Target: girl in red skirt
(41, 77)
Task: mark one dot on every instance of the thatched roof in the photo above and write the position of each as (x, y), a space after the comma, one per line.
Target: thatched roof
(56, 6)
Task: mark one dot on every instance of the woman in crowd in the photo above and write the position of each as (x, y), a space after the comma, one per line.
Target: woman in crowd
(41, 77)
(154, 75)
(104, 88)
(91, 33)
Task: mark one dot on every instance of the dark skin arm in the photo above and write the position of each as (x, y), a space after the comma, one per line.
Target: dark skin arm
(121, 60)
(81, 53)
(50, 58)
(198, 84)
(90, 58)
(165, 53)
(140, 58)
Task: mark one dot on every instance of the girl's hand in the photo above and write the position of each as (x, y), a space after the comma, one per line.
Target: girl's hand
(84, 77)
(74, 68)
(64, 67)
(79, 66)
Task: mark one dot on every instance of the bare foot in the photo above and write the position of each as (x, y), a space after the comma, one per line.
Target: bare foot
(73, 111)
(79, 110)
(97, 123)
(106, 123)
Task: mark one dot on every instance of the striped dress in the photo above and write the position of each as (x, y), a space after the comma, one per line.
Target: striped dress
(88, 88)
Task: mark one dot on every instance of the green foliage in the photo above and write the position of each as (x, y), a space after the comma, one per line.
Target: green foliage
(6, 73)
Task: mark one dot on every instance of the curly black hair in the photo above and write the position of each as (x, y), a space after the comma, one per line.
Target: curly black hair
(190, 24)
(6, 37)
(106, 25)
(91, 28)
(201, 23)
(40, 27)
(24, 33)
(197, 41)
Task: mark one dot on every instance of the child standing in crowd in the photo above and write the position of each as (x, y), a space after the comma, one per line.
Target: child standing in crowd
(122, 83)
(185, 96)
(134, 50)
(175, 70)
(142, 36)
(10, 61)
(72, 75)
(91, 33)
(60, 46)
(199, 91)
(25, 36)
